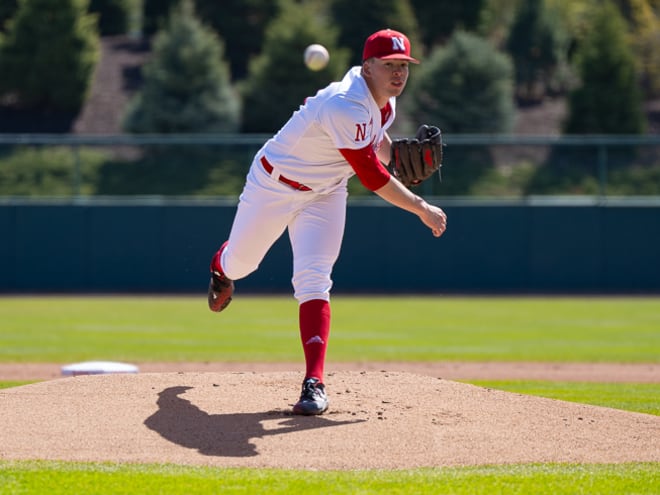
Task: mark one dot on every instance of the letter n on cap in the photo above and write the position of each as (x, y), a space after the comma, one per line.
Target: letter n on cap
(398, 44)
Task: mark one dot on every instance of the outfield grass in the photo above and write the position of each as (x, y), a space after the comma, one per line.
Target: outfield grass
(67, 329)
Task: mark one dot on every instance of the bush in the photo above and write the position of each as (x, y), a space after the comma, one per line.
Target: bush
(626, 170)
(176, 171)
(49, 171)
(56, 171)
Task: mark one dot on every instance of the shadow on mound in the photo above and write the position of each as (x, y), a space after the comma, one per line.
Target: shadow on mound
(226, 435)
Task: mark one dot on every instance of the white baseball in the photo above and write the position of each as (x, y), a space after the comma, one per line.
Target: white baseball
(316, 57)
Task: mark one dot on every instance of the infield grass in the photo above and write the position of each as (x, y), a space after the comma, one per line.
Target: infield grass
(637, 397)
(57, 478)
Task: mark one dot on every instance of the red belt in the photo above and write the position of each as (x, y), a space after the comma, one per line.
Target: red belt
(291, 183)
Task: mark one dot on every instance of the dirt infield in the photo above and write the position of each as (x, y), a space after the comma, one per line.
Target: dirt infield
(380, 419)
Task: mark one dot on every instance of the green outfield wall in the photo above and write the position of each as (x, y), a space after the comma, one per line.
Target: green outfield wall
(153, 246)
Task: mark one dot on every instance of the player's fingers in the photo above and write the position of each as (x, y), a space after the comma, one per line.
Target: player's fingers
(438, 231)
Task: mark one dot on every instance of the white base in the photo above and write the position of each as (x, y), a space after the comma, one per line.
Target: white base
(97, 368)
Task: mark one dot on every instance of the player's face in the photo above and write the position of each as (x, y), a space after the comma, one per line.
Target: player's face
(387, 78)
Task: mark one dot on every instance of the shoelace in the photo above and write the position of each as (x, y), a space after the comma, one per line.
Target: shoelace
(311, 391)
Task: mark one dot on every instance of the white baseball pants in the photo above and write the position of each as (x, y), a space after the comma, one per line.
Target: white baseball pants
(315, 222)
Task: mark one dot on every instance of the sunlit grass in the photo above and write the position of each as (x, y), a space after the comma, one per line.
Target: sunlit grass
(58, 478)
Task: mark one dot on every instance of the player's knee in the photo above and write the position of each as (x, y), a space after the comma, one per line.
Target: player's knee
(235, 268)
(311, 284)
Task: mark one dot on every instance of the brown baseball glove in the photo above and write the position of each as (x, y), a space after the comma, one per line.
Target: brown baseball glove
(414, 160)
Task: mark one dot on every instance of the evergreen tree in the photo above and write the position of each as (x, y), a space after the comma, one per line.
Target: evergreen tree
(607, 102)
(114, 15)
(7, 10)
(644, 28)
(154, 14)
(278, 81)
(186, 83)
(465, 87)
(609, 98)
(358, 20)
(242, 24)
(49, 54)
(496, 18)
(440, 18)
(536, 44)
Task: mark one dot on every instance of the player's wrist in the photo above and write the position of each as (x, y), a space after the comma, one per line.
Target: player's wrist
(421, 206)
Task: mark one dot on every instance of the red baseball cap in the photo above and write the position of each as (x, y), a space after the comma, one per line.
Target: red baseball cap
(388, 44)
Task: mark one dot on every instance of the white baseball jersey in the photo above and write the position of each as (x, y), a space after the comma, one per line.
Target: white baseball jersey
(343, 115)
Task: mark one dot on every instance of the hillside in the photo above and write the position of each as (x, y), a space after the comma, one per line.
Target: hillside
(118, 76)
(116, 79)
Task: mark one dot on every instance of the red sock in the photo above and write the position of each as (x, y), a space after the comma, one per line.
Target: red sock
(215, 261)
(314, 332)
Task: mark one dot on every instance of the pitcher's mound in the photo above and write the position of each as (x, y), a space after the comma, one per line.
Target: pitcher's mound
(382, 420)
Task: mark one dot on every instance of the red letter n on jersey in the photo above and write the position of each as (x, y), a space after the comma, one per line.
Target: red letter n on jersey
(360, 132)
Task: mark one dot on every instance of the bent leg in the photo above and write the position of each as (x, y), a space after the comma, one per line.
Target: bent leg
(262, 215)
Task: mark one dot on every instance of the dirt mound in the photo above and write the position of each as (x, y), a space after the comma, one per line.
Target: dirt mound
(377, 419)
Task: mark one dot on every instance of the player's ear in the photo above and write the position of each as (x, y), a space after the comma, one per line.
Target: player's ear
(366, 67)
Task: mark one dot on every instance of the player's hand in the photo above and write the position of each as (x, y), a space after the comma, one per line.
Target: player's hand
(435, 219)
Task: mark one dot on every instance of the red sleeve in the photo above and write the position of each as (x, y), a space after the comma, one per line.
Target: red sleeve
(367, 167)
